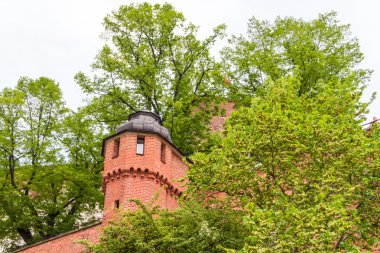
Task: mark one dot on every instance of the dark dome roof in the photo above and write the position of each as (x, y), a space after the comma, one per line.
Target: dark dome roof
(147, 122)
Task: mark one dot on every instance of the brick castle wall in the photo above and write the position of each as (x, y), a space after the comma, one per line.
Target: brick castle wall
(66, 243)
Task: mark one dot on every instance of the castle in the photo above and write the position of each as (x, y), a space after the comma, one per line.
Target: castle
(140, 162)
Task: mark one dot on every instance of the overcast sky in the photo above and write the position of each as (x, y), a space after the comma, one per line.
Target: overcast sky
(57, 39)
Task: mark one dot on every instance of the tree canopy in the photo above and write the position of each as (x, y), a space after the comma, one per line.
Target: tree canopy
(292, 171)
(153, 60)
(191, 228)
(303, 167)
(318, 50)
(49, 163)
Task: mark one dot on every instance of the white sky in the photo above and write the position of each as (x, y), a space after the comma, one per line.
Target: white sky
(57, 39)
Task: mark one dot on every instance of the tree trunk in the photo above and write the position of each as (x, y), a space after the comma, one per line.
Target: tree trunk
(25, 234)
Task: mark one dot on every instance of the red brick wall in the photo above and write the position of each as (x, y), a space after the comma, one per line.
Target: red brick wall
(67, 242)
(179, 169)
(143, 177)
(217, 122)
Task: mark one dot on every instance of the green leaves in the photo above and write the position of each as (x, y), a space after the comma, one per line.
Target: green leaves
(301, 165)
(49, 163)
(153, 60)
(294, 159)
(287, 228)
(321, 50)
(188, 229)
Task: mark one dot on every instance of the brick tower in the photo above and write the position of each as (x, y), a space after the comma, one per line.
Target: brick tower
(141, 162)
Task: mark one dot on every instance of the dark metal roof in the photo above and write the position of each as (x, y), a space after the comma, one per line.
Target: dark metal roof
(145, 121)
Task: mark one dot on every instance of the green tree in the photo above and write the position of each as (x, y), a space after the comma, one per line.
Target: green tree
(48, 178)
(153, 60)
(188, 229)
(304, 168)
(319, 50)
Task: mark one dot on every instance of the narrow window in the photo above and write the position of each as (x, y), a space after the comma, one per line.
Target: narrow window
(140, 146)
(116, 146)
(117, 204)
(162, 152)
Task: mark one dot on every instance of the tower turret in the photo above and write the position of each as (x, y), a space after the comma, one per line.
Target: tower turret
(141, 162)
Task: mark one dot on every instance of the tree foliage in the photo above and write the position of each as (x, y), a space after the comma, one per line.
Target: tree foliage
(293, 171)
(318, 50)
(302, 165)
(153, 60)
(48, 168)
(188, 229)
